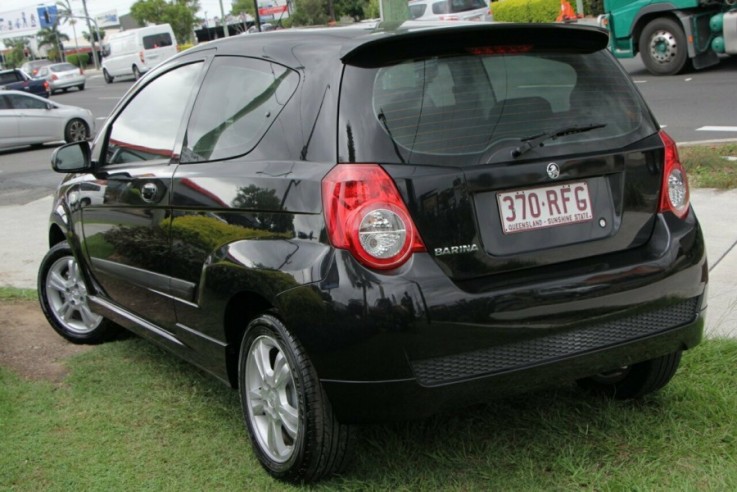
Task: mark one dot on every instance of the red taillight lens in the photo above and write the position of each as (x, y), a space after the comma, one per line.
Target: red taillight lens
(366, 215)
(54, 77)
(674, 193)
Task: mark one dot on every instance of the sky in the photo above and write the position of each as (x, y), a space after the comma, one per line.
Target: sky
(96, 7)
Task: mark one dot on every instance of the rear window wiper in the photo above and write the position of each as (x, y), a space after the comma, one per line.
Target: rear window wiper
(529, 143)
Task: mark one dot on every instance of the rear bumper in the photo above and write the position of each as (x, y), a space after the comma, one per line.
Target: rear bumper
(366, 402)
(412, 343)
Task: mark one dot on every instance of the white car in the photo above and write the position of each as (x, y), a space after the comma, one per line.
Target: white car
(449, 10)
(26, 119)
(62, 76)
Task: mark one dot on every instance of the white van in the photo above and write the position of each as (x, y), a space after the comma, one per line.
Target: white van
(136, 51)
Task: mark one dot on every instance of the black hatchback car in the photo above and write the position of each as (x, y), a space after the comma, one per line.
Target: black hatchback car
(353, 226)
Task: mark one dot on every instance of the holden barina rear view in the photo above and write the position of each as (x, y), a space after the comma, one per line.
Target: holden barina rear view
(351, 226)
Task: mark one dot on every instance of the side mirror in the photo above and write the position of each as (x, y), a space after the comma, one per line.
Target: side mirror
(72, 158)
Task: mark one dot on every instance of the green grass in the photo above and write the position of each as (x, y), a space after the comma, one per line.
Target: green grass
(707, 166)
(132, 417)
(12, 293)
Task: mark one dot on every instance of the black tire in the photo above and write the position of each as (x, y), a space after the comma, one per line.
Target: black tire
(136, 73)
(108, 78)
(663, 47)
(63, 298)
(80, 87)
(76, 131)
(635, 381)
(307, 442)
(65, 89)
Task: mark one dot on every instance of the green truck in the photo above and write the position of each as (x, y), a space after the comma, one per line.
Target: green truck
(672, 35)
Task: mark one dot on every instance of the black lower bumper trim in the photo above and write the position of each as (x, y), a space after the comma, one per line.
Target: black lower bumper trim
(514, 356)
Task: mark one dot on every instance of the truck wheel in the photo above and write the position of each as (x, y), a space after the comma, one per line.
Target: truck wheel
(63, 298)
(107, 76)
(293, 431)
(136, 72)
(634, 381)
(663, 47)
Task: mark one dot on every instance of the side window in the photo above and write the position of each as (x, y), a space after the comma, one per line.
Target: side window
(147, 128)
(23, 102)
(4, 102)
(239, 99)
(157, 41)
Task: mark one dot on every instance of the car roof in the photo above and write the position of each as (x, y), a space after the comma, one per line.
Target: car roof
(364, 44)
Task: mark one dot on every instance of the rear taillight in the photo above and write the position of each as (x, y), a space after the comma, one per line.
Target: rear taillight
(54, 77)
(674, 194)
(366, 215)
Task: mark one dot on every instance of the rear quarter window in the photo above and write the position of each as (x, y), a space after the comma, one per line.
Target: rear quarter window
(239, 100)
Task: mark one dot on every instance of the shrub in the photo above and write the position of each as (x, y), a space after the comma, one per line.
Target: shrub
(526, 10)
(76, 59)
(593, 7)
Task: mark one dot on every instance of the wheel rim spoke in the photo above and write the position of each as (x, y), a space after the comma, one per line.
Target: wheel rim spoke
(289, 417)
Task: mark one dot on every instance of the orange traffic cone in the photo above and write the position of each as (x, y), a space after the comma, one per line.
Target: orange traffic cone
(567, 14)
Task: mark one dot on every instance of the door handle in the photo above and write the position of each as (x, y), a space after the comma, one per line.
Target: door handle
(150, 192)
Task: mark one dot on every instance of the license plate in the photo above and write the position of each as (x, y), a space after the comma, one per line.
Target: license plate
(538, 208)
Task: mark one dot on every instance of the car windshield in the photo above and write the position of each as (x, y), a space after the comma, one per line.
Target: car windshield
(461, 105)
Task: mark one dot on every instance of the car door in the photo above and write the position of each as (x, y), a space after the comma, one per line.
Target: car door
(8, 123)
(37, 121)
(126, 233)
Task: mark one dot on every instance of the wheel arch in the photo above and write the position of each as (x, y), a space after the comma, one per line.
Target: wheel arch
(648, 14)
(242, 308)
(56, 235)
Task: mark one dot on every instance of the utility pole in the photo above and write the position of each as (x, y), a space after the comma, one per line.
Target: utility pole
(92, 35)
(223, 20)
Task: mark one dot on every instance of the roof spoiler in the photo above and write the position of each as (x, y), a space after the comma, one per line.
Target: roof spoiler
(407, 44)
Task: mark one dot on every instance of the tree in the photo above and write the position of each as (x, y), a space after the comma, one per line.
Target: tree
(180, 14)
(351, 8)
(243, 6)
(310, 13)
(52, 37)
(87, 36)
(17, 47)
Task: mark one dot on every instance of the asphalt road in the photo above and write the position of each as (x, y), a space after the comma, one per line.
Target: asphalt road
(698, 106)
(694, 106)
(25, 174)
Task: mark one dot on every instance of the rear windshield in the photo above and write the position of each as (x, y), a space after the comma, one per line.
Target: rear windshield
(157, 41)
(63, 67)
(473, 106)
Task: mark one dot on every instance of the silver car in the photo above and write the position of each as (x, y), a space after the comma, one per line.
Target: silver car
(26, 119)
(62, 76)
(449, 10)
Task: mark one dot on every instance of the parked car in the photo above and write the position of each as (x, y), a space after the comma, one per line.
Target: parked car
(15, 79)
(352, 226)
(32, 67)
(26, 119)
(62, 76)
(449, 10)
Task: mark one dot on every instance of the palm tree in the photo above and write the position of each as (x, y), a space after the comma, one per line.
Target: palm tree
(65, 14)
(52, 37)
